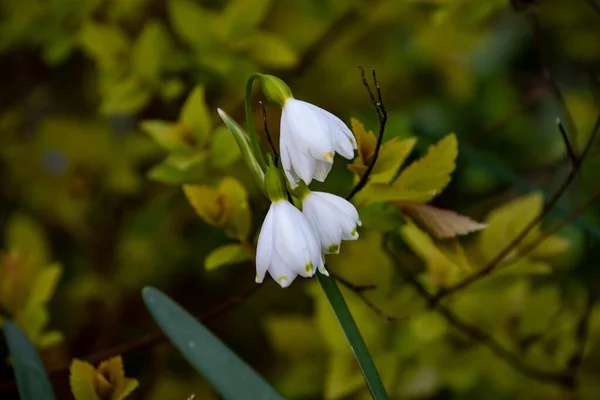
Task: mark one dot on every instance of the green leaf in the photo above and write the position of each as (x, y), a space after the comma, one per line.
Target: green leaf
(149, 51)
(195, 115)
(27, 236)
(422, 180)
(177, 170)
(192, 23)
(223, 148)
(381, 216)
(226, 255)
(108, 44)
(359, 348)
(32, 379)
(231, 377)
(269, 50)
(166, 136)
(241, 17)
(127, 96)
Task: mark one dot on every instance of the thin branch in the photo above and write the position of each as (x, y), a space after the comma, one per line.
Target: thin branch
(476, 334)
(382, 114)
(567, 142)
(358, 290)
(264, 113)
(581, 336)
(545, 70)
(352, 286)
(493, 264)
(594, 5)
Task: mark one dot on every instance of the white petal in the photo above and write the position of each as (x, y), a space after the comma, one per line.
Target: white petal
(344, 140)
(322, 170)
(308, 127)
(333, 218)
(279, 271)
(295, 240)
(264, 248)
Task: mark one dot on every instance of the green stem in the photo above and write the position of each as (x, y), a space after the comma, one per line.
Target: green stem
(250, 123)
(357, 344)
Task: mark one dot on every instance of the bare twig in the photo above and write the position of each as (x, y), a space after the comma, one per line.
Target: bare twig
(476, 334)
(382, 114)
(567, 142)
(352, 286)
(581, 336)
(264, 113)
(545, 70)
(358, 290)
(493, 264)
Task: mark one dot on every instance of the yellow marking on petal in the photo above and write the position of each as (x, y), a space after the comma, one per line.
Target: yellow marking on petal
(282, 279)
(354, 232)
(333, 248)
(309, 267)
(256, 277)
(352, 141)
(328, 156)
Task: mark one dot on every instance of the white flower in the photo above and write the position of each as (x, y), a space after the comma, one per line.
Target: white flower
(287, 246)
(309, 137)
(333, 218)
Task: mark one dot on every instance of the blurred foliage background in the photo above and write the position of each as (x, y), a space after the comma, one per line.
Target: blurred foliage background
(108, 107)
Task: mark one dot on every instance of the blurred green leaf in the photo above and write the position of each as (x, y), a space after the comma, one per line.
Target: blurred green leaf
(269, 50)
(223, 149)
(166, 135)
(231, 377)
(127, 96)
(32, 379)
(107, 44)
(149, 51)
(226, 255)
(25, 235)
(241, 17)
(192, 23)
(195, 115)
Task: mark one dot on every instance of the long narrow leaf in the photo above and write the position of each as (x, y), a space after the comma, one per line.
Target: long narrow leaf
(361, 353)
(231, 377)
(32, 379)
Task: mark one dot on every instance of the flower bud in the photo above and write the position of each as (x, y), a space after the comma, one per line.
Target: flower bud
(275, 90)
(275, 183)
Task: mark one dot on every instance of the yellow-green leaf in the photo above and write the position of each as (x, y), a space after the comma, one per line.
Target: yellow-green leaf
(206, 202)
(507, 221)
(108, 44)
(192, 23)
(166, 135)
(82, 380)
(24, 235)
(441, 270)
(442, 223)
(226, 255)
(422, 180)
(366, 142)
(127, 96)
(195, 115)
(391, 156)
(241, 17)
(223, 148)
(149, 51)
(269, 50)
(280, 328)
(430, 174)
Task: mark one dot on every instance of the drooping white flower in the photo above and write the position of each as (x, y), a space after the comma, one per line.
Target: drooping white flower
(309, 137)
(333, 219)
(287, 246)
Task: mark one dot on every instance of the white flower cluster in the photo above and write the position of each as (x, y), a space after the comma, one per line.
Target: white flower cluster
(292, 242)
